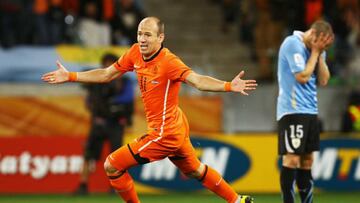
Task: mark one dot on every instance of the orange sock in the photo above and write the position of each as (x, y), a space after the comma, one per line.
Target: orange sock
(214, 182)
(124, 185)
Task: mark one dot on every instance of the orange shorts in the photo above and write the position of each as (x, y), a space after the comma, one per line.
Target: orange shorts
(149, 148)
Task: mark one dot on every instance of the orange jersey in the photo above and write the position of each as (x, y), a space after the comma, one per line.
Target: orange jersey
(159, 79)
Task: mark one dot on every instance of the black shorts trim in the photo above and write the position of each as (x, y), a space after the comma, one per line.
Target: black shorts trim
(176, 158)
(137, 157)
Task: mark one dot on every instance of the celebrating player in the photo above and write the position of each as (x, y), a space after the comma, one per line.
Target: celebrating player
(160, 74)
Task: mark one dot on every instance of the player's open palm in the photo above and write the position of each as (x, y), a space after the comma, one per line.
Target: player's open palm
(58, 76)
(242, 86)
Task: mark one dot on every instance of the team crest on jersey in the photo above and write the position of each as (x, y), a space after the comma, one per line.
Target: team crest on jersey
(155, 69)
(296, 142)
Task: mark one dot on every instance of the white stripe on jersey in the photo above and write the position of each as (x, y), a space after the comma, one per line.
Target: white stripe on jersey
(164, 111)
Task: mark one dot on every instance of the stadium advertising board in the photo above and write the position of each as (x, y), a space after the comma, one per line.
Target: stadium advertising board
(51, 164)
(337, 165)
(250, 163)
(37, 164)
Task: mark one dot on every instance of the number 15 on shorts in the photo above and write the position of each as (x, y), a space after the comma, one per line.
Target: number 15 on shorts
(296, 133)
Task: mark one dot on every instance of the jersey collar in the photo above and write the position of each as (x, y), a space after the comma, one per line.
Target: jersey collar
(155, 55)
(298, 34)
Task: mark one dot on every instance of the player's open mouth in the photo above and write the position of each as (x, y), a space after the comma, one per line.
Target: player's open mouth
(143, 46)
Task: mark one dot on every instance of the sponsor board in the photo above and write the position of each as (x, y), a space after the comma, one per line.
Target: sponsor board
(337, 165)
(249, 162)
(36, 164)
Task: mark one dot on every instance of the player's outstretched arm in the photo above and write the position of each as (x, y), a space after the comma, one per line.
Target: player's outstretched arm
(207, 83)
(62, 75)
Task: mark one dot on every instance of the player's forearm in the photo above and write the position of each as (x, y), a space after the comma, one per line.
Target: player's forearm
(101, 75)
(305, 75)
(207, 83)
(94, 76)
(323, 72)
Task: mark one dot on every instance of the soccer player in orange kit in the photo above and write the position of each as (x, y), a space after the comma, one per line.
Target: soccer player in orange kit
(160, 74)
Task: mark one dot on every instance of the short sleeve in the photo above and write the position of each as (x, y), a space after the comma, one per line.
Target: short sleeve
(295, 56)
(125, 62)
(177, 70)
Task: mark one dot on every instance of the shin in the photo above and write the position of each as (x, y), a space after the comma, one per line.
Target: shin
(213, 181)
(122, 182)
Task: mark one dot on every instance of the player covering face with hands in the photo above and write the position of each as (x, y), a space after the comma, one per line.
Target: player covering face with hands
(159, 73)
(301, 67)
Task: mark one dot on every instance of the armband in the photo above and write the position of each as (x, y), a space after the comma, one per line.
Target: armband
(72, 76)
(227, 86)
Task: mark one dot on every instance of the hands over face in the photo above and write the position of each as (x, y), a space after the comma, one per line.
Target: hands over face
(58, 76)
(322, 42)
(239, 85)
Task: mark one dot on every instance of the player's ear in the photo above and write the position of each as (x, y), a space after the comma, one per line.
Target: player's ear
(161, 37)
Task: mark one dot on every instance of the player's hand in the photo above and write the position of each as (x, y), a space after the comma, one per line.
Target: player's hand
(58, 76)
(322, 42)
(242, 86)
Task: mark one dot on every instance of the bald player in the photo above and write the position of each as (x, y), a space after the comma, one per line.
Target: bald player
(159, 74)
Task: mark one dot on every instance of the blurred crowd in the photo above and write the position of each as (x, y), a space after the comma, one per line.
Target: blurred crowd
(262, 25)
(84, 22)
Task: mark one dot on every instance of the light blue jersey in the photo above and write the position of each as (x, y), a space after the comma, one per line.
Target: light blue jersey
(295, 97)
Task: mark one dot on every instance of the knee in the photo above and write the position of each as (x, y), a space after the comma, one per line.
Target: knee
(109, 168)
(306, 162)
(291, 161)
(197, 173)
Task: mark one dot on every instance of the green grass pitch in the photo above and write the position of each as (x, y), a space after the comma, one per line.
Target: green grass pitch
(172, 198)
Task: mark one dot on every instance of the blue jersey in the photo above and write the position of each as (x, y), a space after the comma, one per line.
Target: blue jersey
(295, 97)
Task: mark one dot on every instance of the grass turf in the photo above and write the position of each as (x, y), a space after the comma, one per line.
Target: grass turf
(172, 197)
